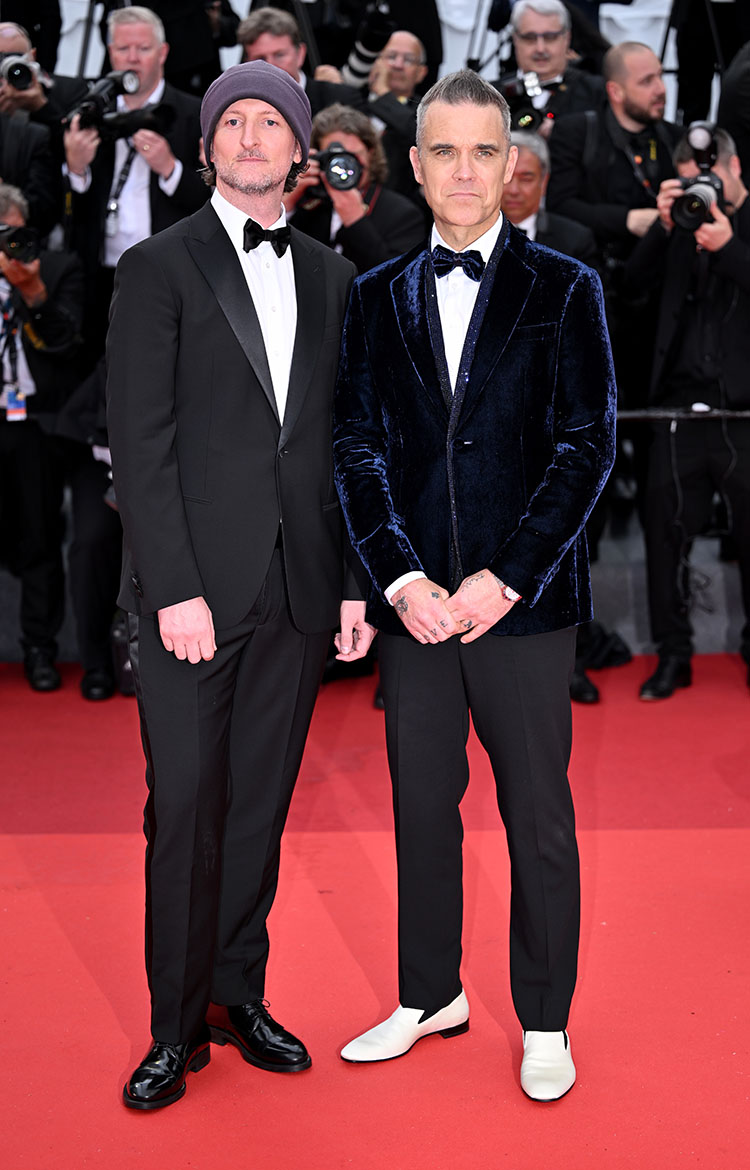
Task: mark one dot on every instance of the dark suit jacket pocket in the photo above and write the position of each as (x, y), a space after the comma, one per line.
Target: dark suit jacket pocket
(544, 332)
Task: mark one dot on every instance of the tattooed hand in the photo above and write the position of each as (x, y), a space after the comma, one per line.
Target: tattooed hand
(421, 607)
(478, 604)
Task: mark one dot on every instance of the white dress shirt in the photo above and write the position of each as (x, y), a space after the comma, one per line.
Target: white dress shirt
(456, 298)
(270, 280)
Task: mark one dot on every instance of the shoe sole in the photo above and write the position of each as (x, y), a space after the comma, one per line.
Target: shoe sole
(198, 1061)
(446, 1033)
(222, 1038)
(548, 1100)
(647, 698)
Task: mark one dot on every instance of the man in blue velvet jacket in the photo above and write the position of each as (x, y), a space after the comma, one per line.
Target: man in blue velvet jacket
(473, 433)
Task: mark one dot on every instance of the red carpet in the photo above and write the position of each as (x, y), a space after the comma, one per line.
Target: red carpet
(660, 1020)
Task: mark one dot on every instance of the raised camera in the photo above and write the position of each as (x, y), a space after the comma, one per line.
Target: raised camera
(519, 93)
(705, 190)
(19, 243)
(18, 70)
(341, 168)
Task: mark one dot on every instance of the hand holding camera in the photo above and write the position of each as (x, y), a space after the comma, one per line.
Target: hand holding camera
(81, 145)
(19, 263)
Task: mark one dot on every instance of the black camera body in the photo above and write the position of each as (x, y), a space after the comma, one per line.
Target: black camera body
(18, 71)
(706, 189)
(518, 93)
(99, 103)
(19, 243)
(341, 168)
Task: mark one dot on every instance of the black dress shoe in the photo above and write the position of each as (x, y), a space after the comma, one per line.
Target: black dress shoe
(97, 685)
(40, 670)
(378, 701)
(160, 1078)
(670, 674)
(582, 690)
(260, 1039)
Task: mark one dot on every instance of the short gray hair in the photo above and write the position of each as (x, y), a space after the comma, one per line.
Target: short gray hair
(542, 8)
(13, 197)
(525, 140)
(463, 88)
(135, 15)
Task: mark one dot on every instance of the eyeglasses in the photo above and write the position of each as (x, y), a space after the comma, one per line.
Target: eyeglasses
(548, 37)
(407, 58)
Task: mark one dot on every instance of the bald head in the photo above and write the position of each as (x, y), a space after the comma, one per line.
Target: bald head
(14, 38)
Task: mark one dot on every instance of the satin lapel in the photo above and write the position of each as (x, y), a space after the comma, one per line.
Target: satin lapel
(409, 293)
(310, 288)
(211, 249)
(510, 290)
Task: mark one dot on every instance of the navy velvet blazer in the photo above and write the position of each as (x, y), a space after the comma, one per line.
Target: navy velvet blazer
(513, 468)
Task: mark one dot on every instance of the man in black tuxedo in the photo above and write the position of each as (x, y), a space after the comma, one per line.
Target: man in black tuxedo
(222, 355)
(473, 432)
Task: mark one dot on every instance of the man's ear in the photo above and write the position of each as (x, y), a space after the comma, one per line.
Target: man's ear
(414, 158)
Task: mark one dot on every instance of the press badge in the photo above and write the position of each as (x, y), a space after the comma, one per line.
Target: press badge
(15, 404)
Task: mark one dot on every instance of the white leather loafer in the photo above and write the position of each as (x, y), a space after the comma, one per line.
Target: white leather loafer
(400, 1032)
(547, 1069)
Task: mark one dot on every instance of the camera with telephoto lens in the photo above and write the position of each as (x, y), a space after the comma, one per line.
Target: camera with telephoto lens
(705, 190)
(18, 70)
(519, 93)
(98, 104)
(19, 243)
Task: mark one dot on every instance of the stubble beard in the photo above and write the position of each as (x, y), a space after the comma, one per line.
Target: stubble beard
(259, 186)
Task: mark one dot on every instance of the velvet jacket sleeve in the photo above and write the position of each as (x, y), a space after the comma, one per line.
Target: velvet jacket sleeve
(583, 435)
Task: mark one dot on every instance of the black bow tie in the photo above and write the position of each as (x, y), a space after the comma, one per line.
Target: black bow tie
(254, 234)
(444, 261)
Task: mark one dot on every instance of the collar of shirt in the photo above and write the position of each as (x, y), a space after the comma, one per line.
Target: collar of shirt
(484, 245)
(528, 226)
(153, 98)
(233, 220)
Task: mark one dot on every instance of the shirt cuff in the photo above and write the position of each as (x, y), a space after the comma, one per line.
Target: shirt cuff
(405, 579)
(79, 184)
(170, 185)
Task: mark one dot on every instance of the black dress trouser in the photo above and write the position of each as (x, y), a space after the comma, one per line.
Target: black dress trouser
(687, 466)
(516, 689)
(223, 742)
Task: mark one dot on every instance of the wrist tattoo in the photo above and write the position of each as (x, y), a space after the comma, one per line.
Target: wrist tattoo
(401, 605)
(472, 580)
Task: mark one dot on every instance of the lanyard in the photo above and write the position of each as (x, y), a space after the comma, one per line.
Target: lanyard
(122, 178)
(8, 340)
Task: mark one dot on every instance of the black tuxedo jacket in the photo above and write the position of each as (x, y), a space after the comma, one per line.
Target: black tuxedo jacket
(203, 470)
(89, 209)
(508, 471)
(566, 236)
(27, 161)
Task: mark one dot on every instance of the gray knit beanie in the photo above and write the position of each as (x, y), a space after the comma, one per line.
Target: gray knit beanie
(266, 82)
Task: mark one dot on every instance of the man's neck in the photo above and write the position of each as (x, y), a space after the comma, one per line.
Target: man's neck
(264, 209)
(629, 124)
(459, 237)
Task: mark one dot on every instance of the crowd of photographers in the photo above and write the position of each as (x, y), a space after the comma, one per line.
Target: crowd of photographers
(89, 168)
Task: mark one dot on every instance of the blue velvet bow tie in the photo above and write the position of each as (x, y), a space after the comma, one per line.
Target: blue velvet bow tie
(444, 261)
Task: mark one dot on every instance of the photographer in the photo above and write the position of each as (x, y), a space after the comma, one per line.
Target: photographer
(393, 101)
(127, 189)
(545, 86)
(364, 221)
(26, 160)
(701, 361)
(41, 296)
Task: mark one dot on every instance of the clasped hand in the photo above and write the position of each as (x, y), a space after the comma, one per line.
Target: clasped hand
(432, 615)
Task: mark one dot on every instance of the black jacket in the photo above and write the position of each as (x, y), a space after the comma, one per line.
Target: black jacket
(392, 226)
(566, 236)
(666, 260)
(26, 161)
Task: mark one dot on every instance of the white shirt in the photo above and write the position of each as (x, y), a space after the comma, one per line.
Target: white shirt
(528, 226)
(270, 281)
(456, 298)
(134, 201)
